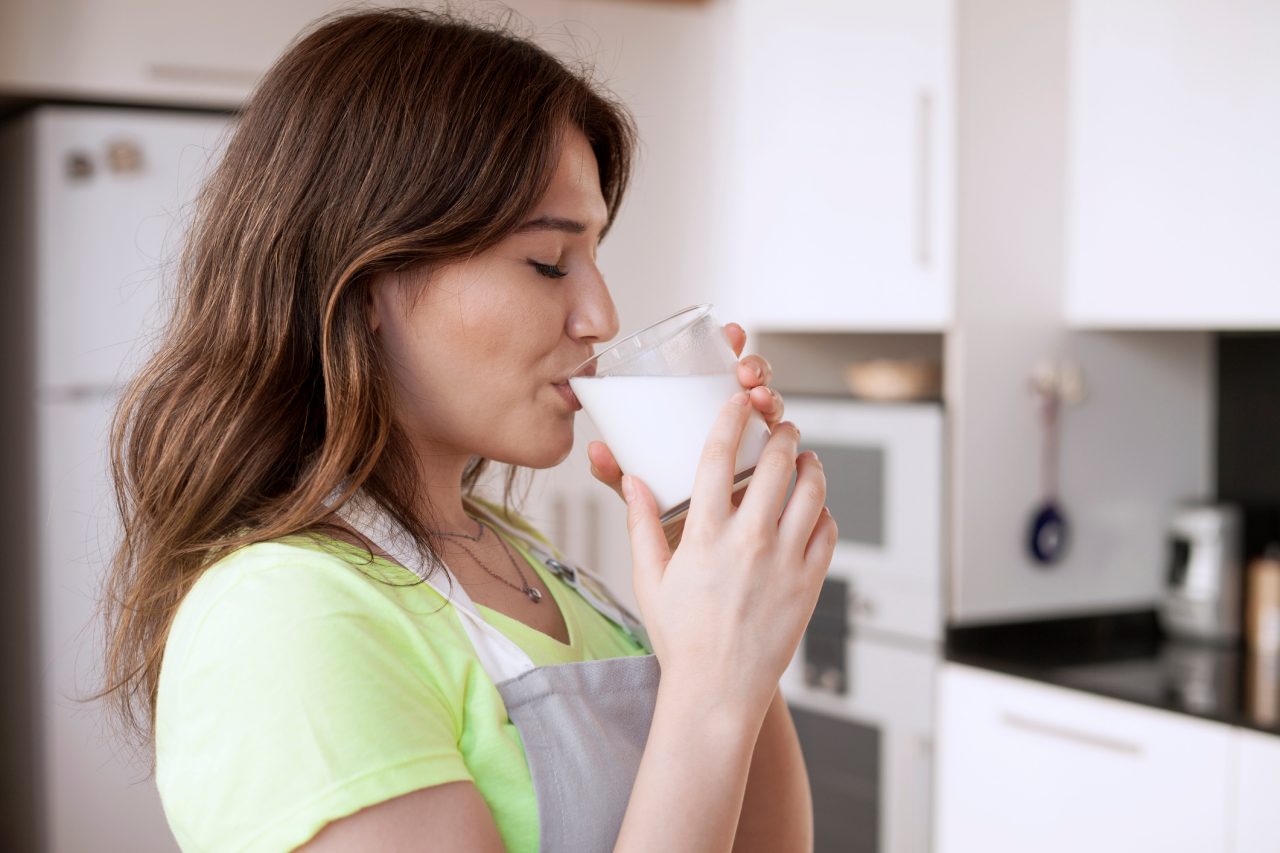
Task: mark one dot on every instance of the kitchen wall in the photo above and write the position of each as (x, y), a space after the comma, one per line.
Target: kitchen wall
(1140, 438)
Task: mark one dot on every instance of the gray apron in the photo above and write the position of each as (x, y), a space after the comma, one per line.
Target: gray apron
(583, 725)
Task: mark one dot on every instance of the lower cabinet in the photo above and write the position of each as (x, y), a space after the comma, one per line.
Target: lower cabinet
(1028, 766)
(1256, 815)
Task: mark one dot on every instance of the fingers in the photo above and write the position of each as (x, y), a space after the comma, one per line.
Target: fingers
(806, 504)
(754, 370)
(604, 467)
(768, 488)
(822, 544)
(713, 481)
(649, 549)
(755, 374)
(768, 403)
(737, 337)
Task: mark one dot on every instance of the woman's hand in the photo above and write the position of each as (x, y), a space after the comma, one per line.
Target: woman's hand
(726, 610)
(754, 374)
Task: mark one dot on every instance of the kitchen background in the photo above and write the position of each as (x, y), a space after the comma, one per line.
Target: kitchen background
(1016, 264)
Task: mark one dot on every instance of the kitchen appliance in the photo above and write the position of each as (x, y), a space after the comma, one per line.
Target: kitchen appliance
(861, 687)
(1205, 573)
(1262, 609)
(93, 203)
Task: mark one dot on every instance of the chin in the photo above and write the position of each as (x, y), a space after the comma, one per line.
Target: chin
(547, 450)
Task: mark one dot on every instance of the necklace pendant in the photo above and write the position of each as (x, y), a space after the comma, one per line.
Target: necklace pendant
(535, 594)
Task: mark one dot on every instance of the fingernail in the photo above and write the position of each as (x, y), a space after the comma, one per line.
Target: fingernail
(739, 399)
(758, 371)
(628, 489)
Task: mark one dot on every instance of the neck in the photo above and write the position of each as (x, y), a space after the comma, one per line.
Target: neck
(440, 500)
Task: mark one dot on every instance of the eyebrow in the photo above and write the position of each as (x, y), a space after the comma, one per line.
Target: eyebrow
(553, 223)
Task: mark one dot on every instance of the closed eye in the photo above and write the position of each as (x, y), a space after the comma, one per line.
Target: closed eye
(549, 270)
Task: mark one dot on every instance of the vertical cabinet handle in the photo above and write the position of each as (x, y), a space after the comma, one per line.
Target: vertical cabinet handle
(924, 177)
(593, 555)
(560, 522)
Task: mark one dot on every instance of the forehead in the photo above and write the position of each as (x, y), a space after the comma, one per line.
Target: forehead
(575, 188)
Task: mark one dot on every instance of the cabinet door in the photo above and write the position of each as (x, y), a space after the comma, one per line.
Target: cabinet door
(837, 180)
(1174, 187)
(1256, 817)
(1026, 766)
(155, 50)
(171, 51)
(97, 793)
(113, 199)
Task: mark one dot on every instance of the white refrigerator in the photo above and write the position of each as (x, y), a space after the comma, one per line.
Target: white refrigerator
(94, 204)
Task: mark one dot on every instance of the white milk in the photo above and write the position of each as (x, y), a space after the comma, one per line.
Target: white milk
(656, 426)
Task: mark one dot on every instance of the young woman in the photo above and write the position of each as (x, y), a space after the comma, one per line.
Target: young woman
(339, 644)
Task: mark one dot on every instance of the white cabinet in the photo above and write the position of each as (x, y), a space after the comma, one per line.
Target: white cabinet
(837, 165)
(96, 794)
(167, 51)
(1027, 766)
(146, 50)
(1174, 182)
(1256, 816)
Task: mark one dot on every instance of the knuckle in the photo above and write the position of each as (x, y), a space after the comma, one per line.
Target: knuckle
(814, 493)
(777, 460)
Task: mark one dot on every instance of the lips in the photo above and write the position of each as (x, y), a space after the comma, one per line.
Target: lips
(566, 393)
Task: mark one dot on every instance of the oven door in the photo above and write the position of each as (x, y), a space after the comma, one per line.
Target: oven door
(863, 710)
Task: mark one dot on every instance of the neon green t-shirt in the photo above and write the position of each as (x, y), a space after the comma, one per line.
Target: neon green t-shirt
(301, 683)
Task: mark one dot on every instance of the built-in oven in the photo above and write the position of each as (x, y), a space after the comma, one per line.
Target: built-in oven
(861, 687)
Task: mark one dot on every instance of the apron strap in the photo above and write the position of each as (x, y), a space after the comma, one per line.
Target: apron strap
(500, 657)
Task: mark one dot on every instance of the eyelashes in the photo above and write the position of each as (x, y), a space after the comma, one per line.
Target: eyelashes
(548, 270)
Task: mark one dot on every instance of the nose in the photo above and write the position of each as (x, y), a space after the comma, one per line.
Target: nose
(592, 316)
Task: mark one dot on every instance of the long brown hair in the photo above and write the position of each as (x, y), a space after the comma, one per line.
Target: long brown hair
(380, 141)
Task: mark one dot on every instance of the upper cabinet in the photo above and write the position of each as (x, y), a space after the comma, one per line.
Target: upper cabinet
(179, 52)
(837, 165)
(183, 52)
(1174, 180)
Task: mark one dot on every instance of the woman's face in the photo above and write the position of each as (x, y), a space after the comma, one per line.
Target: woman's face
(477, 356)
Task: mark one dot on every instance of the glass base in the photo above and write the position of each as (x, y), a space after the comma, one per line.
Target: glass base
(680, 510)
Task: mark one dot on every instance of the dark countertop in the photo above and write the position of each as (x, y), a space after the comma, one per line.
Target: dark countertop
(1126, 656)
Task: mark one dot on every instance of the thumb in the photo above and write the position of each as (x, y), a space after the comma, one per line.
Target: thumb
(649, 549)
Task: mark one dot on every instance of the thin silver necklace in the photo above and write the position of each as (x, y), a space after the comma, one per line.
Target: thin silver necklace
(467, 536)
(534, 594)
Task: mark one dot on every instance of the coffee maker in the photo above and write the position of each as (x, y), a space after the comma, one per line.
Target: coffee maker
(1205, 574)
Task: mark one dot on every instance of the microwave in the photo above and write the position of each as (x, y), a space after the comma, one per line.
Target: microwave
(885, 488)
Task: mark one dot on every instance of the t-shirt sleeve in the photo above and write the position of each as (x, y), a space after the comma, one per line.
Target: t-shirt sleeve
(287, 700)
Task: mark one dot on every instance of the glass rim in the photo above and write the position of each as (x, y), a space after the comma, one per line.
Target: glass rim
(696, 312)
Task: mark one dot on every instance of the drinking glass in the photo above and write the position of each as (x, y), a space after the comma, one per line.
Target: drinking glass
(654, 396)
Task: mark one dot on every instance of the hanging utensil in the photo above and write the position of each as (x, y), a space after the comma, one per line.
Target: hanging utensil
(1049, 532)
